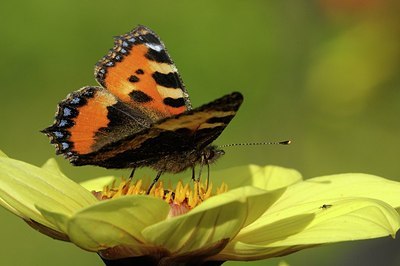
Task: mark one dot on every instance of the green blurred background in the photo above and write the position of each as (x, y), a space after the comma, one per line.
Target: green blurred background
(322, 73)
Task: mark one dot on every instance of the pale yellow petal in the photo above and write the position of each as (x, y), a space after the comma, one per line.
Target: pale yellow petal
(218, 218)
(266, 177)
(340, 186)
(313, 223)
(97, 184)
(116, 222)
(51, 165)
(23, 185)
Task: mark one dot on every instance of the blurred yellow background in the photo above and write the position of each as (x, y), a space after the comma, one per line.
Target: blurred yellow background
(324, 74)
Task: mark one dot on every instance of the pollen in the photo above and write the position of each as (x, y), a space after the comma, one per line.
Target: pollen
(182, 197)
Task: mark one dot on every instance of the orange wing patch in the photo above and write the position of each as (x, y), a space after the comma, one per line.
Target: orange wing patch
(139, 72)
(117, 79)
(133, 76)
(85, 126)
(79, 117)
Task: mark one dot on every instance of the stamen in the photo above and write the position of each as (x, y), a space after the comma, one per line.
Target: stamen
(181, 199)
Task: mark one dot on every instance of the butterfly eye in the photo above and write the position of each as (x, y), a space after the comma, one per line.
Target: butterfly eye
(211, 154)
(220, 152)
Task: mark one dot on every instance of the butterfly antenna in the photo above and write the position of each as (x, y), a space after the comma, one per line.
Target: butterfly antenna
(285, 142)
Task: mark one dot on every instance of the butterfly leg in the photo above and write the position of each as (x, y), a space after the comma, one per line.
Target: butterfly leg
(200, 169)
(197, 181)
(193, 174)
(208, 176)
(132, 173)
(154, 182)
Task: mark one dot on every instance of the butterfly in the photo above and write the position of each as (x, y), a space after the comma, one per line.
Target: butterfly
(141, 115)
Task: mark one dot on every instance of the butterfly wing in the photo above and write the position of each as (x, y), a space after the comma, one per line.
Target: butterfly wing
(90, 118)
(139, 71)
(141, 85)
(171, 138)
(205, 123)
(142, 116)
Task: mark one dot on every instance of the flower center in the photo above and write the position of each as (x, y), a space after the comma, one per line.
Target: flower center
(181, 198)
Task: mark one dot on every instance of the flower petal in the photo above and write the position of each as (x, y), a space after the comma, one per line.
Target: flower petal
(218, 218)
(10, 208)
(59, 220)
(265, 177)
(22, 185)
(274, 177)
(313, 223)
(51, 165)
(340, 186)
(97, 184)
(116, 222)
(55, 234)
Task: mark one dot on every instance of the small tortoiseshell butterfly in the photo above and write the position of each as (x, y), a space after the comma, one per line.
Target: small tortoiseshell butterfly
(141, 115)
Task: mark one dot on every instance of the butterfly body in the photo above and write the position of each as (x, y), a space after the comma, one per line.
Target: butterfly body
(141, 115)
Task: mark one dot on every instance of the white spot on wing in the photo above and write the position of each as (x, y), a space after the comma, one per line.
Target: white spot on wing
(170, 92)
(155, 47)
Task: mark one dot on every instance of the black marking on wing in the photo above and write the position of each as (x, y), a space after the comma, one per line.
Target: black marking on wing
(179, 102)
(158, 56)
(139, 71)
(148, 37)
(133, 79)
(140, 96)
(170, 80)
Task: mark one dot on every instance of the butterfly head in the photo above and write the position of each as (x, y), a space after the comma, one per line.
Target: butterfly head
(211, 153)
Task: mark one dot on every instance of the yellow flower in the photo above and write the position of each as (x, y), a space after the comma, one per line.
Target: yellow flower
(265, 212)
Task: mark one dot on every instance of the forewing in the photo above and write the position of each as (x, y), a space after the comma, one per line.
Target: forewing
(139, 71)
(192, 130)
(205, 123)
